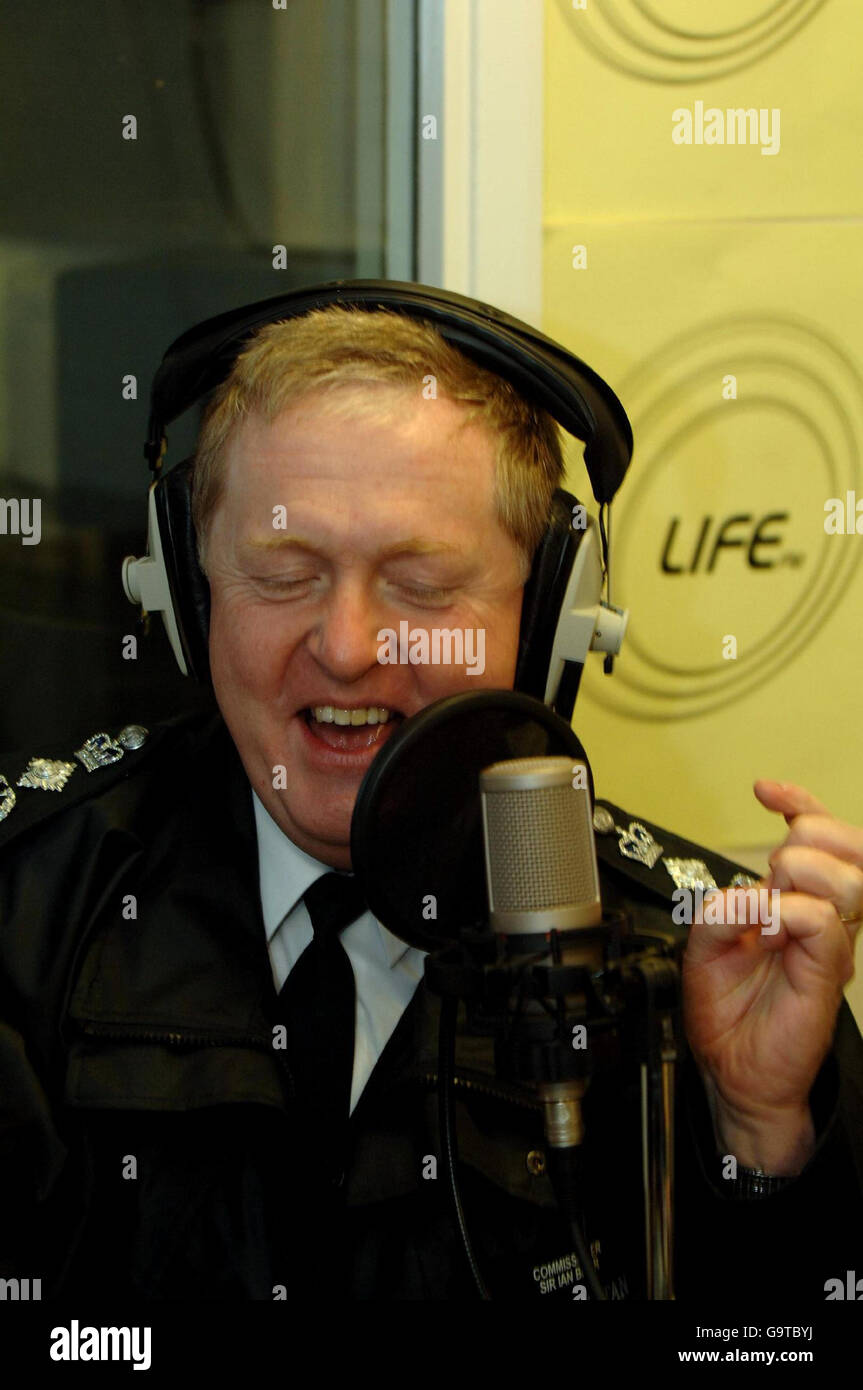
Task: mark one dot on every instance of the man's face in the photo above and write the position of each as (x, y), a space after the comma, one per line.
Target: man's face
(386, 521)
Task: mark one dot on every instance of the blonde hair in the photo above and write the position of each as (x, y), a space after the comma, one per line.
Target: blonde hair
(334, 347)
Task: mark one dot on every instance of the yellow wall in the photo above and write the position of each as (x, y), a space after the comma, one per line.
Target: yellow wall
(705, 262)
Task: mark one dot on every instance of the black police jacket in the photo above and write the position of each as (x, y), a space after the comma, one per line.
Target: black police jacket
(150, 1146)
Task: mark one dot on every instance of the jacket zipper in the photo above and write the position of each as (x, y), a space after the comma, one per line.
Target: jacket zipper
(465, 1083)
(178, 1040)
(263, 1044)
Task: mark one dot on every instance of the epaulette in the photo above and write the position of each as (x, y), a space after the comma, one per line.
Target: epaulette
(657, 859)
(33, 789)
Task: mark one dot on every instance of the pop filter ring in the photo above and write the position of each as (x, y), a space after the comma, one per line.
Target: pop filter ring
(367, 844)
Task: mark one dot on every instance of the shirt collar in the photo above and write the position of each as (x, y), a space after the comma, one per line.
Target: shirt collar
(285, 873)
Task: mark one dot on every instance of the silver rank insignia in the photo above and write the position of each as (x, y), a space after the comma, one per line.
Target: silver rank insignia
(634, 842)
(743, 881)
(690, 873)
(99, 750)
(132, 736)
(603, 820)
(46, 774)
(7, 798)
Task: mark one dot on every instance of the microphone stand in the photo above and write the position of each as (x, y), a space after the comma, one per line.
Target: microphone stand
(657, 1126)
(531, 993)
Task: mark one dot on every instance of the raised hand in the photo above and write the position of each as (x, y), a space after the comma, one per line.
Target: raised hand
(760, 1004)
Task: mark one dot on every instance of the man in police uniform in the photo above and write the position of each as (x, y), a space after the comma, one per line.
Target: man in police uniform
(153, 904)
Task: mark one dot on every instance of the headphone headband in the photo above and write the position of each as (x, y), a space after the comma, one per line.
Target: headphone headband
(540, 369)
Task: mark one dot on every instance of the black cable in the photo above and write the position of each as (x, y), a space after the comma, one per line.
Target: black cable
(448, 1139)
(605, 534)
(563, 1172)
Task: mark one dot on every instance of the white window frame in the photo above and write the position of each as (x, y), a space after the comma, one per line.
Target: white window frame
(480, 184)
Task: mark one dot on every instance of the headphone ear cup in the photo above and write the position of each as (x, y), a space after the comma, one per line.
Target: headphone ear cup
(544, 593)
(190, 591)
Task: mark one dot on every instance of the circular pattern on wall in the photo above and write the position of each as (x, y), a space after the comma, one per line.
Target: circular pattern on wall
(720, 528)
(675, 45)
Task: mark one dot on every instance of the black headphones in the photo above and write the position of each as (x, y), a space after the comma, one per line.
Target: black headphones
(563, 615)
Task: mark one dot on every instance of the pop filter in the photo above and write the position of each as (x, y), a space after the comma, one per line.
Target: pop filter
(416, 830)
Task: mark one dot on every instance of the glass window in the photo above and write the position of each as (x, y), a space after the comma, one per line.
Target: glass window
(154, 157)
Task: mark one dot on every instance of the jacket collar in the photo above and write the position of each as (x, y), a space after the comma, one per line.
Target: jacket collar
(286, 872)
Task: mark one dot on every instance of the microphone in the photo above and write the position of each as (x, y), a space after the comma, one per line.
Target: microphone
(540, 853)
(542, 877)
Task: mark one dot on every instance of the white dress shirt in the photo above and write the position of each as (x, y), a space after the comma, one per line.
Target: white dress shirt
(386, 971)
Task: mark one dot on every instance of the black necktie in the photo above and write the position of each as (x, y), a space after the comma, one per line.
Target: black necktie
(317, 1005)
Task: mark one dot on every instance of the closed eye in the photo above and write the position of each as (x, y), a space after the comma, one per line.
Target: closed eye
(284, 585)
(423, 595)
(415, 593)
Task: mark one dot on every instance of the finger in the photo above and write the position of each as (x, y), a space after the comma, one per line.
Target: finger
(811, 870)
(788, 798)
(783, 918)
(835, 837)
(812, 924)
(800, 869)
(724, 915)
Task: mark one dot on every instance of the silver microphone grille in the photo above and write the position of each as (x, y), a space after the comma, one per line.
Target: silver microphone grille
(540, 854)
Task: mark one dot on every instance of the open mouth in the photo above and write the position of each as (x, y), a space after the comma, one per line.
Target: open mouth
(350, 730)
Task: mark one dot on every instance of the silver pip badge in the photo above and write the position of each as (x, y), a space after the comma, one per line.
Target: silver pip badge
(690, 873)
(7, 798)
(46, 774)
